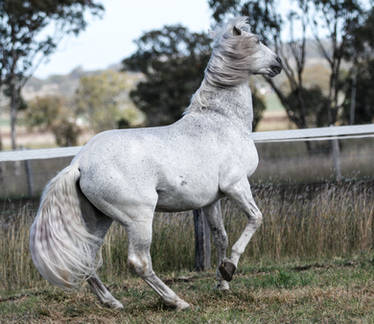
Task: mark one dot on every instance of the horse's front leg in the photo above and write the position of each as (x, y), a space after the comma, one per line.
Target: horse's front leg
(241, 193)
(213, 215)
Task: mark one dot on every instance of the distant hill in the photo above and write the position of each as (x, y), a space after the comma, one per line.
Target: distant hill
(66, 85)
(63, 84)
(55, 84)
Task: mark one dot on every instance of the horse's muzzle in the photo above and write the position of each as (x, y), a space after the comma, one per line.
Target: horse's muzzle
(276, 68)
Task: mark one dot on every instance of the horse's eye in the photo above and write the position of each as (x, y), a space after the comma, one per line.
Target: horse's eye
(257, 40)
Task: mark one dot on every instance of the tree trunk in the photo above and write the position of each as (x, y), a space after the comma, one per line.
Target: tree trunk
(336, 159)
(352, 109)
(13, 116)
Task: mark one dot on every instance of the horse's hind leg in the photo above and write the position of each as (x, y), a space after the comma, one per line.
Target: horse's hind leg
(213, 215)
(140, 236)
(133, 207)
(98, 224)
(105, 297)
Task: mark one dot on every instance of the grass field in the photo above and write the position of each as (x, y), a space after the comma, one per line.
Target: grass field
(330, 291)
(311, 261)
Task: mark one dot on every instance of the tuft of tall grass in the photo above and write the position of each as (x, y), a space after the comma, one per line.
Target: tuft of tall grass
(16, 268)
(323, 221)
(305, 223)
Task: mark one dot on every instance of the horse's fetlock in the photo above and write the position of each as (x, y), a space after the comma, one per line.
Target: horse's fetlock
(225, 241)
(258, 218)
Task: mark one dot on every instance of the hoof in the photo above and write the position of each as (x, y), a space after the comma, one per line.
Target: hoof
(223, 286)
(227, 270)
(114, 304)
(181, 305)
(117, 305)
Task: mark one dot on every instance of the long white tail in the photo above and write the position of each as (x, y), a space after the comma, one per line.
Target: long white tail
(61, 246)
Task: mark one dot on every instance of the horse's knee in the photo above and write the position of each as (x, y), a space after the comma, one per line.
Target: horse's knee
(140, 265)
(256, 219)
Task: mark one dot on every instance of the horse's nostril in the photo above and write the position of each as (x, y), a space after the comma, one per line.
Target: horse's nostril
(276, 68)
(278, 59)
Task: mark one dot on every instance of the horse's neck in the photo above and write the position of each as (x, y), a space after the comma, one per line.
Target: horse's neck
(233, 103)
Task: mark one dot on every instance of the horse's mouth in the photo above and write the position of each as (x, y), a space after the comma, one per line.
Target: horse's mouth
(274, 70)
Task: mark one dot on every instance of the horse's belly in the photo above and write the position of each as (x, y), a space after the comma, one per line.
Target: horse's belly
(181, 199)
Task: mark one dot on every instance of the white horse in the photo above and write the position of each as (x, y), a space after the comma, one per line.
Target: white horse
(127, 175)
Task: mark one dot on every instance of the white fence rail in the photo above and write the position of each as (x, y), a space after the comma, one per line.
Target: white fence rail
(315, 134)
(308, 134)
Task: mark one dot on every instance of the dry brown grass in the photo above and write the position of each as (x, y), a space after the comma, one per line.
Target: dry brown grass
(308, 223)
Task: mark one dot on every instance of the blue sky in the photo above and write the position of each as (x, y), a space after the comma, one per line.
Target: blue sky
(108, 40)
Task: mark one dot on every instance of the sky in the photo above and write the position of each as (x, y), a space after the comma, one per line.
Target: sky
(110, 39)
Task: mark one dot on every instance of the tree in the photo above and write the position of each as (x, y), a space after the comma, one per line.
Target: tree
(51, 113)
(265, 20)
(359, 49)
(173, 61)
(258, 102)
(338, 18)
(102, 100)
(364, 97)
(333, 19)
(30, 31)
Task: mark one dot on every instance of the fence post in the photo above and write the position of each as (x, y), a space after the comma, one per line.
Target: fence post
(336, 159)
(202, 241)
(29, 177)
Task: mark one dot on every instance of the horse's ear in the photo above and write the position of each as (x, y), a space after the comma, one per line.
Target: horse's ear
(236, 31)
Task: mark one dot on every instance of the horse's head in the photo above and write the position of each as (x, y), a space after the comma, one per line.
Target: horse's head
(237, 52)
(261, 59)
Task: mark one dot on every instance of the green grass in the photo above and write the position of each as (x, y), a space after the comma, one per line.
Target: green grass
(333, 291)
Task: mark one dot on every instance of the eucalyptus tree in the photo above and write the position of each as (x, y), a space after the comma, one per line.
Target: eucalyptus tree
(359, 94)
(332, 24)
(328, 23)
(172, 60)
(30, 31)
(102, 100)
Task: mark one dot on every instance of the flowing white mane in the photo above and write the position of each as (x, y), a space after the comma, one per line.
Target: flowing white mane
(231, 55)
(233, 47)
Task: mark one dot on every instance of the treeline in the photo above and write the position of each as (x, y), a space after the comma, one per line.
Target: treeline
(173, 60)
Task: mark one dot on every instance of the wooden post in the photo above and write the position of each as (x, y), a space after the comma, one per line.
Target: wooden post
(202, 241)
(336, 159)
(30, 185)
(29, 177)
